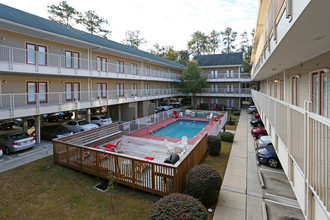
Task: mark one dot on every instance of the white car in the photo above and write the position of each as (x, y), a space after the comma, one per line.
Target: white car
(1, 153)
(163, 107)
(101, 120)
(264, 141)
(175, 104)
(79, 125)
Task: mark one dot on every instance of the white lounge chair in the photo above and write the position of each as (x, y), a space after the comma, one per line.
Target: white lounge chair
(119, 148)
(170, 149)
(210, 116)
(183, 143)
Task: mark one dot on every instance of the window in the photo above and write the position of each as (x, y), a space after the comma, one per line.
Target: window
(148, 70)
(216, 88)
(72, 91)
(36, 89)
(120, 66)
(101, 64)
(157, 72)
(230, 88)
(134, 68)
(230, 73)
(216, 101)
(134, 89)
(230, 102)
(32, 50)
(319, 93)
(71, 59)
(147, 89)
(156, 89)
(120, 89)
(212, 87)
(212, 74)
(215, 74)
(101, 90)
(282, 89)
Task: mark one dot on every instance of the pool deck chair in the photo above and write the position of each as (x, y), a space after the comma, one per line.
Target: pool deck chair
(181, 114)
(210, 116)
(119, 148)
(175, 115)
(170, 149)
(183, 143)
(111, 146)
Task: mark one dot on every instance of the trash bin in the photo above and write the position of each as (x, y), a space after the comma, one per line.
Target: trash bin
(172, 159)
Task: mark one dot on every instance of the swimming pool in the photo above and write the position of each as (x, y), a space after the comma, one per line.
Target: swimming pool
(181, 128)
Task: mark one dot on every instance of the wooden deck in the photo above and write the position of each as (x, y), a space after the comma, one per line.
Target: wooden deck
(129, 168)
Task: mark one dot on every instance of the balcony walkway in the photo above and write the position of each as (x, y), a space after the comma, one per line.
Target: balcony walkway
(241, 194)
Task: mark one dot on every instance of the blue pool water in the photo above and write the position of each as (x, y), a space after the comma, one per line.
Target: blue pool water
(181, 128)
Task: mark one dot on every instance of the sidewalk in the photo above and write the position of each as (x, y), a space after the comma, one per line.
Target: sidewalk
(39, 151)
(240, 196)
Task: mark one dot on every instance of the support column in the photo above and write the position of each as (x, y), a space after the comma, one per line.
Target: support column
(75, 114)
(88, 115)
(25, 125)
(37, 129)
(119, 112)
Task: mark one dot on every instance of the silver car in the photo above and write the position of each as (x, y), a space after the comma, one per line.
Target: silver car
(264, 141)
(16, 141)
(101, 120)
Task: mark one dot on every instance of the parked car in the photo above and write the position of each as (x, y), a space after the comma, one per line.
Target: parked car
(52, 117)
(258, 132)
(256, 115)
(163, 107)
(267, 155)
(257, 122)
(1, 153)
(79, 125)
(54, 131)
(251, 109)
(264, 141)
(101, 120)
(6, 124)
(19, 121)
(175, 103)
(16, 141)
(66, 115)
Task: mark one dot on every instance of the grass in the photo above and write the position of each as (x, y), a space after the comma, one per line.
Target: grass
(44, 190)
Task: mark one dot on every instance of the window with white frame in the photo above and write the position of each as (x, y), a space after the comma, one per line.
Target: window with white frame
(147, 89)
(120, 66)
(156, 89)
(32, 50)
(216, 74)
(148, 70)
(120, 89)
(35, 91)
(72, 91)
(134, 68)
(101, 90)
(212, 74)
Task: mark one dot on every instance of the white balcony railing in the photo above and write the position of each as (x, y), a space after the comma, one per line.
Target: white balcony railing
(306, 137)
(21, 101)
(17, 56)
(225, 76)
(227, 92)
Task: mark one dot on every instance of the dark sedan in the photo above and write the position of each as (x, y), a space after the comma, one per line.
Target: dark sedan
(267, 155)
(257, 123)
(54, 131)
(6, 124)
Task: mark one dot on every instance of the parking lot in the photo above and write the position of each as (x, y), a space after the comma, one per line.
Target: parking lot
(277, 194)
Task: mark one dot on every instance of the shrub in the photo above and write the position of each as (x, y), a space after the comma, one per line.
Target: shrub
(236, 113)
(213, 145)
(231, 121)
(203, 183)
(178, 206)
(227, 136)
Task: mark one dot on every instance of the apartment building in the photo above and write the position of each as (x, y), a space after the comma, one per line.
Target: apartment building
(291, 60)
(227, 84)
(46, 67)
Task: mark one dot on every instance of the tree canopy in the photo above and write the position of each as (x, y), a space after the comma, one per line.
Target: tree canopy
(63, 13)
(198, 44)
(133, 39)
(228, 40)
(93, 23)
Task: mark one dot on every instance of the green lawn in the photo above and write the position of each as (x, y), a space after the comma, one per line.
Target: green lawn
(44, 190)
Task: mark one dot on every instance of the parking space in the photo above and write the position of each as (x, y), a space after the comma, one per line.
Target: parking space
(277, 194)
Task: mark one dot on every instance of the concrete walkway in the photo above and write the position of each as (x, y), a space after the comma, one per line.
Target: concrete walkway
(39, 151)
(240, 196)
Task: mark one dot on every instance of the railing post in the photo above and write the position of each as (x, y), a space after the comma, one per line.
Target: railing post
(11, 57)
(307, 155)
(59, 64)
(12, 104)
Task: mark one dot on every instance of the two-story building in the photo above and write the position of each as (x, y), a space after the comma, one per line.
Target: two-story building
(227, 84)
(46, 67)
(291, 60)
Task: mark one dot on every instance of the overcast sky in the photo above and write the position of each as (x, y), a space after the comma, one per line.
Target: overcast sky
(169, 22)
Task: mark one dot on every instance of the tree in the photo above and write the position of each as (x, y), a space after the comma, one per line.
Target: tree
(192, 81)
(93, 23)
(198, 45)
(133, 40)
(63, 13)
(228, 39)
(183, 57)
(213, 42)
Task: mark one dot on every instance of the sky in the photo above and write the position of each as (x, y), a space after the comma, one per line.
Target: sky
(166, 22)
